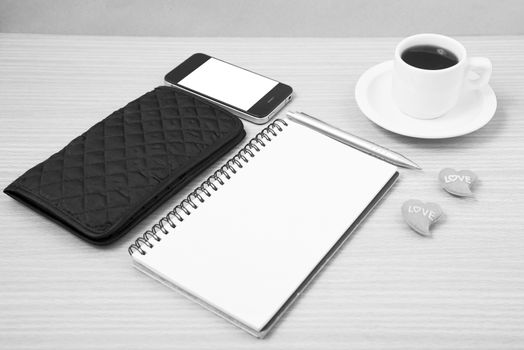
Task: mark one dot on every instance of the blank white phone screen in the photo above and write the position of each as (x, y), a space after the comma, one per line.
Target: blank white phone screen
(229, 84)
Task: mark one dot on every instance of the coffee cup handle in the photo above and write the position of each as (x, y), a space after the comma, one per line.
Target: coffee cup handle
(481, 67)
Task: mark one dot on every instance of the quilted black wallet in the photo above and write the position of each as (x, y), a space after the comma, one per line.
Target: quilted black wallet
(109, 178)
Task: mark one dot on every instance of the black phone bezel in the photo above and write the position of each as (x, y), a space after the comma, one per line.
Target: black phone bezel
(261, 109)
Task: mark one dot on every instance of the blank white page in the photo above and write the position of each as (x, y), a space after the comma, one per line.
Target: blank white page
(250, 246)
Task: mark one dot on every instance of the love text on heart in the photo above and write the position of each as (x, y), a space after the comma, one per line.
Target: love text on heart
(430, 214)
(455, 178)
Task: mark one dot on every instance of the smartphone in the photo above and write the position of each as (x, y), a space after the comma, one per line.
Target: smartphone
(246, 94)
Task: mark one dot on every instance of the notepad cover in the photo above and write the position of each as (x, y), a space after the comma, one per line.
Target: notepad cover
(249, 249)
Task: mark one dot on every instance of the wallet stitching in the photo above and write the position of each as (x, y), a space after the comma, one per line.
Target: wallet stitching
(98, 228)
(161, 186)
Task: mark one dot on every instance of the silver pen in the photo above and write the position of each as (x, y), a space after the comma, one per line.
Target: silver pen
(352, 140)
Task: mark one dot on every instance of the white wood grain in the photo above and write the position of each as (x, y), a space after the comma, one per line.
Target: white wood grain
(387, 288)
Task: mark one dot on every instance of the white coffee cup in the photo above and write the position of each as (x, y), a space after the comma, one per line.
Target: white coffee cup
(429, 94)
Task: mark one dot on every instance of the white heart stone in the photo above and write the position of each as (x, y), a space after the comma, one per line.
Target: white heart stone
(458, 183)
(420, 216)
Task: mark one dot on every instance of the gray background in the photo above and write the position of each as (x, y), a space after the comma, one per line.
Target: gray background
(269, 18)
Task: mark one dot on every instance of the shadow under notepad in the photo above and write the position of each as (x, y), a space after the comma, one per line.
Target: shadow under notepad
(327, 258)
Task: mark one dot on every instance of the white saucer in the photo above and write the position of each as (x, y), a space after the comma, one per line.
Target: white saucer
(373, 94)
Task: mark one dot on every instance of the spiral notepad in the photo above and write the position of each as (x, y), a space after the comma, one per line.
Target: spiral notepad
(248, 240)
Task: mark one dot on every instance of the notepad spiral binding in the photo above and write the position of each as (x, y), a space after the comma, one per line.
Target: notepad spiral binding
(223, 173)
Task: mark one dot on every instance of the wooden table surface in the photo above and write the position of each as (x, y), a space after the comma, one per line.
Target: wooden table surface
(388, 288)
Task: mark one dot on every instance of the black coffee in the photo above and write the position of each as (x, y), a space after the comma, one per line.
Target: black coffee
(429, 57)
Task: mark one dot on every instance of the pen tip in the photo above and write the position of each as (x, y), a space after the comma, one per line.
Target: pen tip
(411, 164)
(416, 166)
